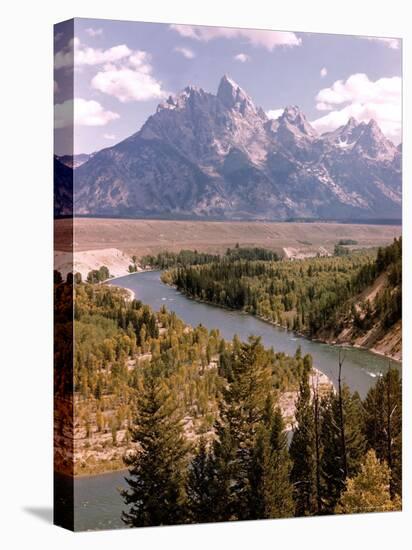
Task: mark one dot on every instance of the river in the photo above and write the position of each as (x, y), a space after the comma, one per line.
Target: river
(98, 503)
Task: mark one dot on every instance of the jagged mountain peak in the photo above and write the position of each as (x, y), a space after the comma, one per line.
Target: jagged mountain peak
(374, 143)
(294, 119)
(179, 100)
(352, 123)
(364, 138)
(375, 131)
(292, 112)
(233, 96)
(345, 136)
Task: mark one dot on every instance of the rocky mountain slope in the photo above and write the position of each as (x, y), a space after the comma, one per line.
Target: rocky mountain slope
(219, 156)
(74, 161)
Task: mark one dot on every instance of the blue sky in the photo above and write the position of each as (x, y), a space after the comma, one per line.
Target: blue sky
(123, 70)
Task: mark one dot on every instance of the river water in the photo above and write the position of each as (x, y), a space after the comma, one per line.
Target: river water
(98, 504)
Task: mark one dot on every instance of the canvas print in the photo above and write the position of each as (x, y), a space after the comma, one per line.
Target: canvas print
(228, 274)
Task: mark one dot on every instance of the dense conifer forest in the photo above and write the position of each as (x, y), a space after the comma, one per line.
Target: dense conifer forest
(165, 260)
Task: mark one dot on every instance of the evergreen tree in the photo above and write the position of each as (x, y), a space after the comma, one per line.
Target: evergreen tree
(270, 488)
(262, 478)
(199, 486)
(383, 424)
(343, 450)
(157, 470)
(302, 452)
(369, 490)
(222, 468)
(241, 412)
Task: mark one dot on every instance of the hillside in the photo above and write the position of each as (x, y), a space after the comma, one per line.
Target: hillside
(373, 318)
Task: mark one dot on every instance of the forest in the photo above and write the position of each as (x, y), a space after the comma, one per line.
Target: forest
(344, 455)
(302, 295)
(115, 339)
(165, 260)
(200, 417)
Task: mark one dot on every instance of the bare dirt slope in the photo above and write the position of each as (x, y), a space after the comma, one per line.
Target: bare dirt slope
(385, 341)
(84, 261)
(141, 237)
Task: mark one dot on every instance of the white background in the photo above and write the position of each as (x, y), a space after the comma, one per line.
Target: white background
(26, 273)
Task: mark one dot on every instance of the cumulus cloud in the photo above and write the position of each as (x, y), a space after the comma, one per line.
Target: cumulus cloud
(242, 57)
(186, 52)
(84, 113)
(363, 99)
(123, 73)
(127, 84)
(274, 113)
(323, 72)
(93, 32)
(79, 54)
(262, 38)
(111, 137)
(392, 43)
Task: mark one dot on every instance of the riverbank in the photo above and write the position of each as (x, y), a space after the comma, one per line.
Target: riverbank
(375, 348)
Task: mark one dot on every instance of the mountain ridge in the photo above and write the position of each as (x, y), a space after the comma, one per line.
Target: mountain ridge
(220, 156)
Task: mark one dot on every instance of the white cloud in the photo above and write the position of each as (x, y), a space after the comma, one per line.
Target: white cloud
(186, 52)
(94, 32)
(359, 88)
(393, 43)
(265, 39)
(140, 59)
(131, 80)
(80, 54)
(242, 57)
(323, 72)
(124, 73)
(127, 84)
(111, 137)
(363, 99)
(274, 113)
(84, 113)
(321, 106)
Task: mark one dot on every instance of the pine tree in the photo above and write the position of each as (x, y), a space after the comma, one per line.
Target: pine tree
(302, 452)
(157, 470)
(199, 486)
(270, 488)
(383, 424)
(343, 450)
(262, 478)
(222, 467)
(241, 412)
(283, 501)
(369, 490)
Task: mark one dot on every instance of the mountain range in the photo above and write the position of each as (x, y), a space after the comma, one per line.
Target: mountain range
(219, 156)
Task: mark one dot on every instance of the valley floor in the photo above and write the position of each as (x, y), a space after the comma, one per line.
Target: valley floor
(141, 237)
